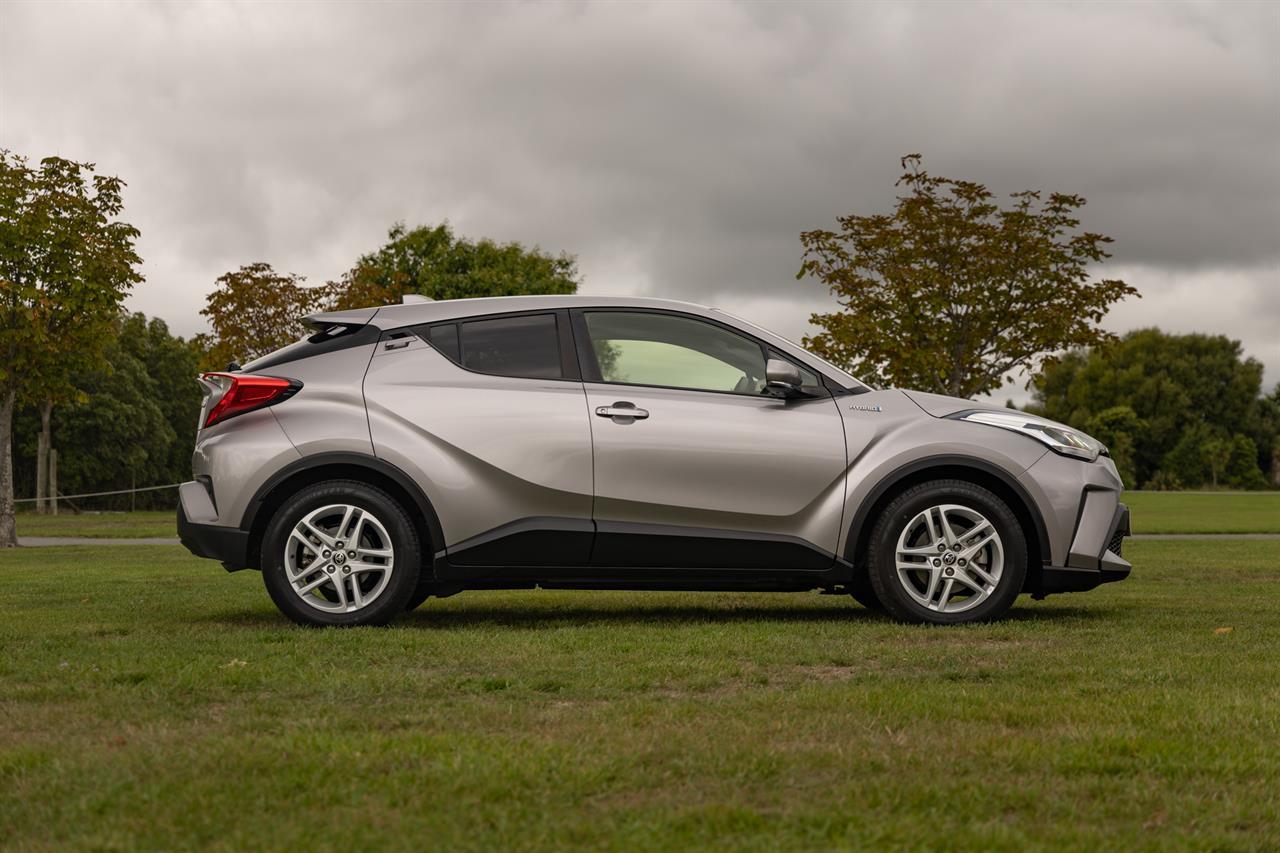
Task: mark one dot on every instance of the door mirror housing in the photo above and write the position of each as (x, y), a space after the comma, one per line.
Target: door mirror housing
(782, 379)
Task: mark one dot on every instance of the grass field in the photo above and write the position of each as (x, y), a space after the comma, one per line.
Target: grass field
(106, 525)
(1204, 512)
(150, 700)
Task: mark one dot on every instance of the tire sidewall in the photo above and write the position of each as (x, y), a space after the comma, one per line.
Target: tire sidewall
(404, 540)
(902, 510)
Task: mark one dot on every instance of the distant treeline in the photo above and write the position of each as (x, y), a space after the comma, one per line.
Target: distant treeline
(1176, 411)
(132, 422)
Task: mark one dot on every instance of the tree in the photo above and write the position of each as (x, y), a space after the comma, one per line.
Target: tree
(1186, 389)
(432, 262)
(171, 365)
(66, 264)
(952, 292)
(132, 421)
(118, 434)
(1120, 429)
(255, 310)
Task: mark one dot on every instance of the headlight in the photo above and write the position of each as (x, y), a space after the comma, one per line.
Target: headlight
(1058, 438)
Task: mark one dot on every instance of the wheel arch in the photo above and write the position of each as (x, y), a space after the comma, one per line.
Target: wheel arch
(977, 471)
(340, 466)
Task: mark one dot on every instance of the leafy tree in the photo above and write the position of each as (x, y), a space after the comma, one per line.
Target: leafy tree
(1264, 428)
(1241, 468)
(1175, 384)
(171, 364)
(1120, 429)
(255, 310)
(952, 292)
(433, 262)
(118, 434)
(1187, 462)
(66, 264)
(1216, 453)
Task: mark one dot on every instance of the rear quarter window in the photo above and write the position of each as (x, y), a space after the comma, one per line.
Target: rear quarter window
(525, 346)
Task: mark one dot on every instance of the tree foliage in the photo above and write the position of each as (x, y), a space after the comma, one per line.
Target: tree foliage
(66, 263)
(952, 292)
(133, 419)
(255, 310)
(1195, 399)
(432, 261)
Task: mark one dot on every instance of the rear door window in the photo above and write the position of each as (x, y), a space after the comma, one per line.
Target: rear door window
(526, 346)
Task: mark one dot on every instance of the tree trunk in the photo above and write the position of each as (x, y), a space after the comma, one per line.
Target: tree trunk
(42, 456)
(8, 530)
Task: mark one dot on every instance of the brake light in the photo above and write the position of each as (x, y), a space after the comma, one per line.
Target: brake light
(245, 392)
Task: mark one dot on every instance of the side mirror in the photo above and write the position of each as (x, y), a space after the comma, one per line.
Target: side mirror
(782, 379)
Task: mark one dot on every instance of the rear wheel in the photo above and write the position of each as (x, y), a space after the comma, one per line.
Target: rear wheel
(341, 552)
(947, 552)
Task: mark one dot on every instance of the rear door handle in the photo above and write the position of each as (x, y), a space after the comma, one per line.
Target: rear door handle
(622, 410)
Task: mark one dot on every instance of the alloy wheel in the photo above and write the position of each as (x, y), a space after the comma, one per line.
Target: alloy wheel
(949, 558)
(339, 558)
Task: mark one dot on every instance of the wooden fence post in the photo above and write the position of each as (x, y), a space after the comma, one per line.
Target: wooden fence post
(53, 481)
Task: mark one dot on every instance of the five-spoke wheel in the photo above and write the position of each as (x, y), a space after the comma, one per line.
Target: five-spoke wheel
(341, 553)
(947, 551)
(339, 558)
(949, 558)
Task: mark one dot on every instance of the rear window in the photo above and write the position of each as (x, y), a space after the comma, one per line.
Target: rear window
(527, 346)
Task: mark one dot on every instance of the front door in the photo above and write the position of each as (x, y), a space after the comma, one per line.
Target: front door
(695, 467)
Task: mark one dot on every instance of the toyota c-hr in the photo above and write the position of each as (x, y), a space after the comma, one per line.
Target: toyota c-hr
(573, 442)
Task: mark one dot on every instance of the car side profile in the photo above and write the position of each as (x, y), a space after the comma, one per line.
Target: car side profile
(572, 442)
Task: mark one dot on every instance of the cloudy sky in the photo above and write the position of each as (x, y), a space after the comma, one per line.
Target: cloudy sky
(677, 148)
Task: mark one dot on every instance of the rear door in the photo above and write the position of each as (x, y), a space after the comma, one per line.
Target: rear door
(489, 416)
(694, 466)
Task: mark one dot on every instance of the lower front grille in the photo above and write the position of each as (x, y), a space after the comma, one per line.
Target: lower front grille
(1116, 543)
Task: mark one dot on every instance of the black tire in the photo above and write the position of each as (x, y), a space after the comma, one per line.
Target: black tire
(406, 563)
(902, 510)
(862, 591)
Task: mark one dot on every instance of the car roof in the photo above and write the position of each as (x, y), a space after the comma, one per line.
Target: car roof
(418, 312)
(415, 313)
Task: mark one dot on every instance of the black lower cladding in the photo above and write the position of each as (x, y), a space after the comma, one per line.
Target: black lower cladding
(1055, 579)
(627, 545)
(228, 545)
(566, 543)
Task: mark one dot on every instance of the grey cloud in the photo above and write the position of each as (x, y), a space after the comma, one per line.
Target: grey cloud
(678, 149)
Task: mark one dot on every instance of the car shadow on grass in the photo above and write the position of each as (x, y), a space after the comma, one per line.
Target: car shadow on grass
(536, 616)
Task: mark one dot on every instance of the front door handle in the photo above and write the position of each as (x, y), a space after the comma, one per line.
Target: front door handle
(622, 412)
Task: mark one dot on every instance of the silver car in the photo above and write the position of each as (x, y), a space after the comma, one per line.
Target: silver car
(573, 442)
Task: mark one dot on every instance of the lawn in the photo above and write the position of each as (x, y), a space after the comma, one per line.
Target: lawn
(1204, 512)
(150, 700)
(102, 525)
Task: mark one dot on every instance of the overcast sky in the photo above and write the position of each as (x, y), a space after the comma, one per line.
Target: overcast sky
(678, 149)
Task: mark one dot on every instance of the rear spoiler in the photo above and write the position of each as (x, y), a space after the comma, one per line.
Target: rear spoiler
(350, 319)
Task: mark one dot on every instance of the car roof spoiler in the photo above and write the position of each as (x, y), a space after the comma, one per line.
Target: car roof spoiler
(328, 319)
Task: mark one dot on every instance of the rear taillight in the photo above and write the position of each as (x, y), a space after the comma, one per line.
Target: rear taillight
(244, 392)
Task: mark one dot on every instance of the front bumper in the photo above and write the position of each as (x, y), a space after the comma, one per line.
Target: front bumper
(1107, 567)
(228, 545)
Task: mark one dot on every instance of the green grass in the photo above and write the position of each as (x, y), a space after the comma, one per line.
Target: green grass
(105, 525)
(150, 700)
(1204, 512)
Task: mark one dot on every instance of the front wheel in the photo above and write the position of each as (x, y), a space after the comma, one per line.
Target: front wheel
(341, 553)
(946, 552)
